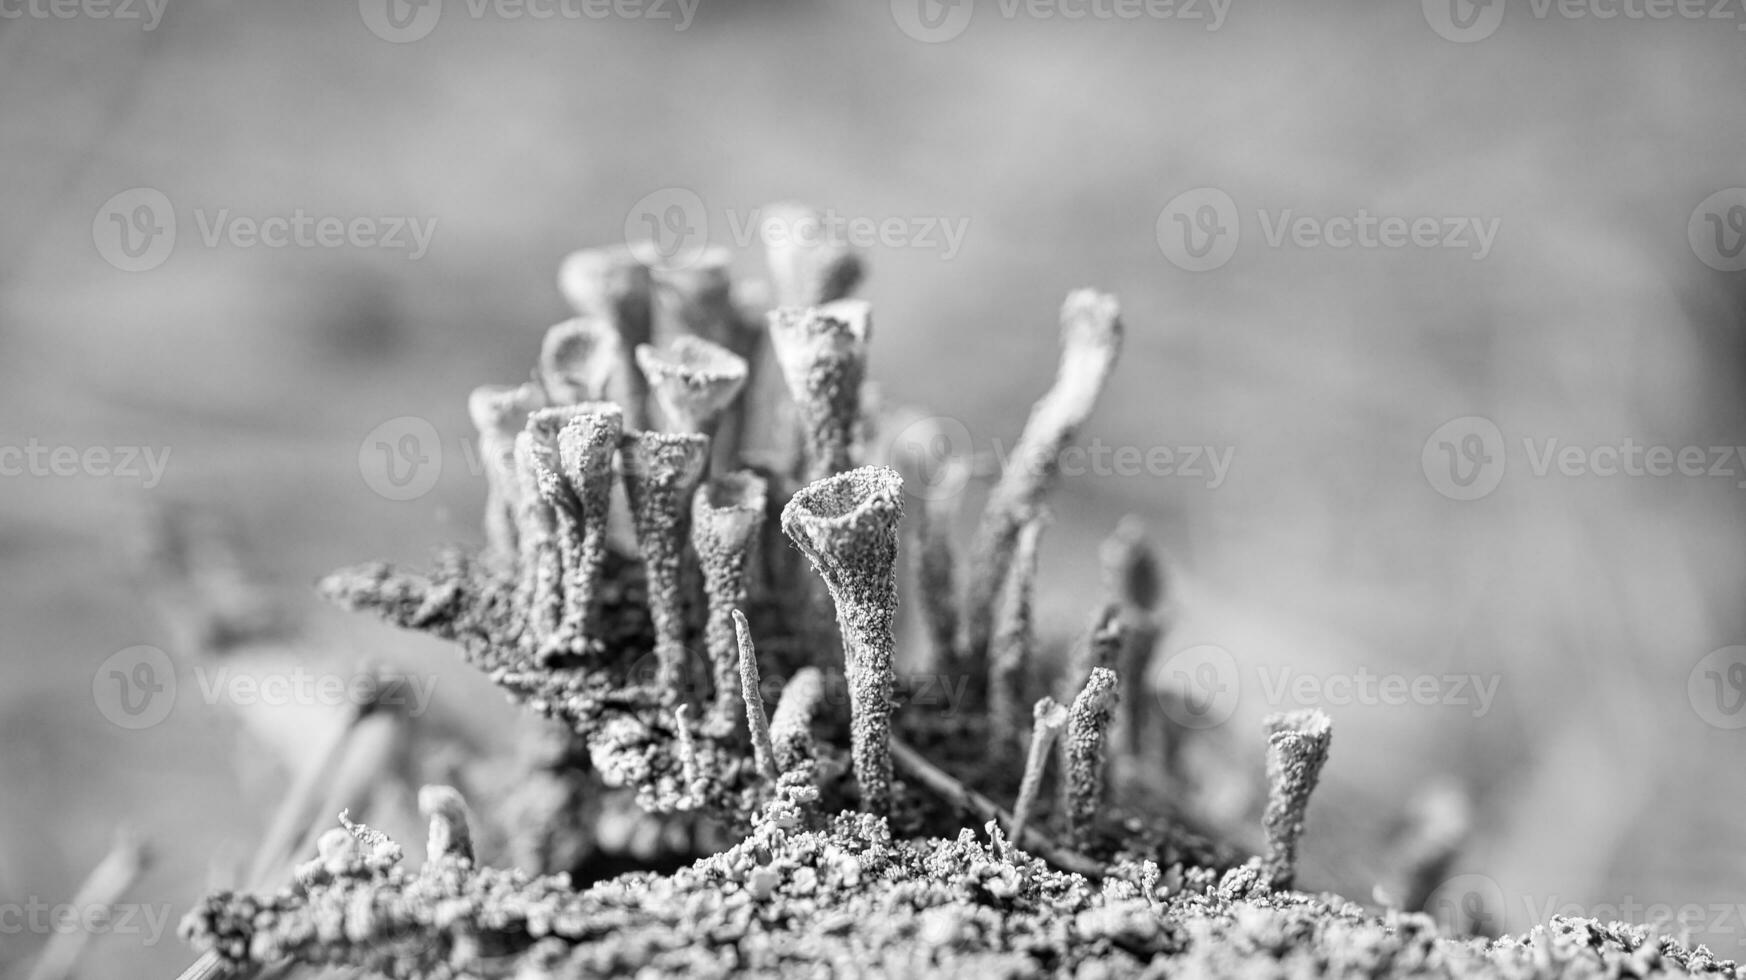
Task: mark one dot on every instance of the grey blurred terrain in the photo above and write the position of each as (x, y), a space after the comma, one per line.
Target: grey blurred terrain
(1323, 370)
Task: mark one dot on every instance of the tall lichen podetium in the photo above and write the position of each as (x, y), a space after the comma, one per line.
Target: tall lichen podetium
(936, 475)
(578, 359)
(1134, 580)
(1014, 645)
(791, 726)
(560, 619)
(1086, 751)
(539, 586)
(726, 515)
(587, 445)
(752, 693)
(661, 471)
(1091, 333)
(808, 267)
(693, 380)
(611, 285)
(499, 412)
(1297, 747)
(847, 527)
(823, 354)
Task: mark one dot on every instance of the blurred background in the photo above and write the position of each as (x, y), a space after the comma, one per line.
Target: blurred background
(1581, 285)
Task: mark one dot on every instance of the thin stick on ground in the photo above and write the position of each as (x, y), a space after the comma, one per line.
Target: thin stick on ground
(1049, 718)
(949, 788)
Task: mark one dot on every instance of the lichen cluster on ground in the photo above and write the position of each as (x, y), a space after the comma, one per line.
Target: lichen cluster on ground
(695, 493)
(842, 897)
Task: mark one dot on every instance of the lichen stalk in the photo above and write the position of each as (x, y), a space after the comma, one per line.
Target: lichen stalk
(498, 413)
(539, 593)
(578, 359)
(612, 285)
(846, 525)
(1014, 645)
(1047, 719)
(587, 445)
(791, 725)
(693, 381)
(1100, 647)
(696, 300)
(935, 477)
(661, 471)
(726, 516)
(1086, 754)
(451, 835)
(752, 693)
(1297, 747)
(808, 266)
(690, 772)
(1134, 580)
(1091, 332)
(823, 354)
(560, 631)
